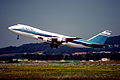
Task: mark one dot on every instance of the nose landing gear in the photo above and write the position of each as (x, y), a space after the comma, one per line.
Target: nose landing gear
(17, 37)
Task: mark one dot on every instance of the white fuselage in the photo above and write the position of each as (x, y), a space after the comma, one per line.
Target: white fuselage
(34, 33)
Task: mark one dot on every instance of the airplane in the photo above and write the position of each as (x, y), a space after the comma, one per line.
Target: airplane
(56, 40)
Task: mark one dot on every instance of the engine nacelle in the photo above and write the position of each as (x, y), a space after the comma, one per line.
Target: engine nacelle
(54, 39)
(61, 39)
(47, 39)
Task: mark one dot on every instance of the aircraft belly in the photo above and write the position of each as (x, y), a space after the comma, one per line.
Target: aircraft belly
(70, 44)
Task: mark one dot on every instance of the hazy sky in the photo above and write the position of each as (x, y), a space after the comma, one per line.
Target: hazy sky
(80, 18)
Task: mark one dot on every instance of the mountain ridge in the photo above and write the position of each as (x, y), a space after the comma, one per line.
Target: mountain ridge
(45, 48)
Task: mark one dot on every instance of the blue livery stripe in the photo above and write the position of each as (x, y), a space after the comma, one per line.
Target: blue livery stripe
(36, 33)
(78, 42)
(84, 41)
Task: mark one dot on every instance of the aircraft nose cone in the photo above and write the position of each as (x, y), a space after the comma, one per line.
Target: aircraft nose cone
(9, 28)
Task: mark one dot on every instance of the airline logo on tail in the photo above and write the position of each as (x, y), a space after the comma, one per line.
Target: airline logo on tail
(55, 40)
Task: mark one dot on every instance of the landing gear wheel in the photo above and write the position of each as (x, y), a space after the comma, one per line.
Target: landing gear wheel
(17, 37)
(54, 45)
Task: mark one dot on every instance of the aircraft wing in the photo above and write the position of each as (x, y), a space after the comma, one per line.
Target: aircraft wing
(71, 39)
(64, 39)
(57, 41)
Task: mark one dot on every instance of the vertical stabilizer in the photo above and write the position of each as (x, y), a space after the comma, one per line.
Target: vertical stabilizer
(101, 37)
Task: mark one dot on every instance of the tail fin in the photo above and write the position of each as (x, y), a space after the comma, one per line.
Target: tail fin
(101, 37)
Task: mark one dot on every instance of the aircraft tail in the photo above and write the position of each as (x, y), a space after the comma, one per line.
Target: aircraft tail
(101, 37)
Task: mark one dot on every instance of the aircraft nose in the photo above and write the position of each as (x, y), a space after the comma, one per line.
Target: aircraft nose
(11, 27)
(17, 26)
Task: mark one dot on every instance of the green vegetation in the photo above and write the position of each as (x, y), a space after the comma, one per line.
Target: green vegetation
(59, 71)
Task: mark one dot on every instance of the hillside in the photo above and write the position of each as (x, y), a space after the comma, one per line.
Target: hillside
(113, 40)
(45, 48)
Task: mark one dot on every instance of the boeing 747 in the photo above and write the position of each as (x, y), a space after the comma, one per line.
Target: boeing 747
(55, 40)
